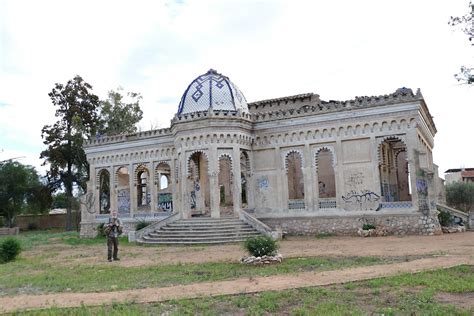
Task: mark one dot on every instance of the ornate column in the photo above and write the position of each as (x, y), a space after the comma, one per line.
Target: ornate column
(153, 200)
(95, 189)
(213, 181)
(307, 177)
(251, 187)
(133, 190)
(184, 203)
(282, 186)
(339, 172)
(237, 183)
(113, 189)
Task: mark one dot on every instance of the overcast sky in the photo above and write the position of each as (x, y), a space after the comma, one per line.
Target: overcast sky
(269, 49)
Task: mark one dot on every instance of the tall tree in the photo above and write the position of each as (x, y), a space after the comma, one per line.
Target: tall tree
(21, 191)
(466, 23)
(77, 113)
(120, 113)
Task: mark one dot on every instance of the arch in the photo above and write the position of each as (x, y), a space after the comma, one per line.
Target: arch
(225, 181)
(122, 178)
(104, 191)
(295, 178)
(163, 186)
(326, 175)
(289, 152)
(143, 187)
(198, 183)
(393, 169)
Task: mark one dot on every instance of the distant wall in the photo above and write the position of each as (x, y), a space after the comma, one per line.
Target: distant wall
(46, 221)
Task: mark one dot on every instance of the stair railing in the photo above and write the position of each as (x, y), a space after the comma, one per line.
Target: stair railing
(259, 226)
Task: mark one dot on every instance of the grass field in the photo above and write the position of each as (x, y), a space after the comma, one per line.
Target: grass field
(426, 293)
(51, 263)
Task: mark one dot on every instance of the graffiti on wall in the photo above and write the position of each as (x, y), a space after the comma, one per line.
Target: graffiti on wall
(263, 183)
(363, 200)
(422, 190)
(123, 201)
(165, 202)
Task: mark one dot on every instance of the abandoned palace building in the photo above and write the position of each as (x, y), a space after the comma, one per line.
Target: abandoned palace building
(296, 164)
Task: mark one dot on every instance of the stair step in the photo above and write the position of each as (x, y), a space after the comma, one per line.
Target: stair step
(198, 232)
(189, 238)
(201, 231)
(211, 235)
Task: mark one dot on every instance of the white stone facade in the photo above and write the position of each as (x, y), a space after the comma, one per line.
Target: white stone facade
(302, 161)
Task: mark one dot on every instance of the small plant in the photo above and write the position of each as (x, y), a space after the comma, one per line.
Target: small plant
(142, 224)
(9, 249)
(445, 218)
(259, 246)
(368, 226)
(101, 230)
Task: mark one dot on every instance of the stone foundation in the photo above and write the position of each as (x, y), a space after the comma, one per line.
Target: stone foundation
(399, 224)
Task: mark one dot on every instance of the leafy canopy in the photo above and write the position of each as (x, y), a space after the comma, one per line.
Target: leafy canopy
(21, 191)
(460, 195)
(120, 114)
(466, 24)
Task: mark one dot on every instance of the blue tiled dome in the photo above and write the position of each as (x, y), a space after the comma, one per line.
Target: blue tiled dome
(212, 90)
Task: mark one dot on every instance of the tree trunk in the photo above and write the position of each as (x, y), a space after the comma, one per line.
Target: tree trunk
(68, 185)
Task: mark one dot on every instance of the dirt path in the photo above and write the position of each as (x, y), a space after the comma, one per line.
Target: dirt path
(258, 284)
(453, 244)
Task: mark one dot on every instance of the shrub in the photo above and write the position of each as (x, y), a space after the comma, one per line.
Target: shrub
(261, 245)
(9, 249)
(445, 218)
(368, 226)
(142, 224)
(32, 226)
(101, 230)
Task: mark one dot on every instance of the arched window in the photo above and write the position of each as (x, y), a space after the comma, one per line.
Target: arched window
(326, 174)
(295, 177)
(225, 181)
(142, 188)
(123, 190)
(104, 192)
(393, 170)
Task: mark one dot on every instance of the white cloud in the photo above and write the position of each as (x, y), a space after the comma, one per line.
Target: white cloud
(268, 48)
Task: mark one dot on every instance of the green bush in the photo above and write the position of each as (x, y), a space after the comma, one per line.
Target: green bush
(368, 226)
(101, 230)
(9, 249)
(445, 218)
(261, 245)
(141, 224)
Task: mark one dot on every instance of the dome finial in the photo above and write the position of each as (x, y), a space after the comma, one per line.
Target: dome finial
(212, 72)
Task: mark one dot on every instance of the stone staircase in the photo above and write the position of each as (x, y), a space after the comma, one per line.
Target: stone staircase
(200, 231)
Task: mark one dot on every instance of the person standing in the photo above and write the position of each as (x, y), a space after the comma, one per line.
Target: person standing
(113, 230)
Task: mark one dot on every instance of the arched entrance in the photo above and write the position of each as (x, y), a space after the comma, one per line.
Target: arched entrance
(294, 165)
(225, 182)
(393, 170)
(163, 187)
(198, 185)
(104, 192)
(123, 191)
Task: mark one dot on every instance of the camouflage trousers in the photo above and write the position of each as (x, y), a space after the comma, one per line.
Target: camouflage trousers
(112, 247)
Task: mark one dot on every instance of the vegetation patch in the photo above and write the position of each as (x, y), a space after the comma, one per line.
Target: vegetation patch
(408, 294)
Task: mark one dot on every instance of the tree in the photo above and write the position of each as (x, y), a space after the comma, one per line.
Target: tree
(61, 200)
(21, 191)
(118, 115)
(466, 23)
(77, 113)
(460, 195)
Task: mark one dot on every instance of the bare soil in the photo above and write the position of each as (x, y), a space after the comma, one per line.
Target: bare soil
(449, 250)
(243, 285)
(447, 244)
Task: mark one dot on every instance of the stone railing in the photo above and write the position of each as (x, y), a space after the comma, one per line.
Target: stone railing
(138, 235)
(98, 140)
(296, 205)
(336, 106)
(211, 113)
(462, 215)
(259, 226)
(327, 203)
(397, 205)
